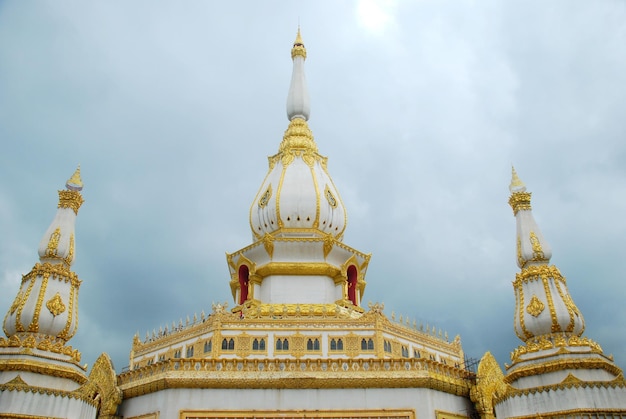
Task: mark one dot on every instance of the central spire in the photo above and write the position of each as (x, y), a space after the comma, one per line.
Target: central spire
(297, 220)
(298, 105)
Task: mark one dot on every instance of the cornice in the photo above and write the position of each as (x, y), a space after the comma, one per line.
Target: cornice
(44, 368)
(576, 413)
(561, 365)
(569, 383)
(295, 374)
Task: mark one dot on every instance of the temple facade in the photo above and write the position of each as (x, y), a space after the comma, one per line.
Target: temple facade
(297, 341)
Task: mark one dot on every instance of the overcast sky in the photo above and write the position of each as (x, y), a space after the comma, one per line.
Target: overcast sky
(171, 109)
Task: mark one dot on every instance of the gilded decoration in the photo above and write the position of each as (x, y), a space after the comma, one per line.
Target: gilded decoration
(439, 414)
(520, 259)
(298, 414)
(65, 333)
(268, 244)
(298, 49)
(332, 201)
(296, 374)
(43, 344)
(17, 302)
(70, 254)
(101, 389)
(53, 243)
(568, 383)
(34, 324)
(536, 246)
(70, 199)
(535, 307)
(55, 305)
(489, 386)
(298, 136)
(554, 341)
(265, 198)
(329, 241)
(520, 201)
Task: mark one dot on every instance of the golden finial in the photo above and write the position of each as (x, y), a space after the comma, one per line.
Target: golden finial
(516, 184)
(520, 199)
(75, 183)
(298, 46)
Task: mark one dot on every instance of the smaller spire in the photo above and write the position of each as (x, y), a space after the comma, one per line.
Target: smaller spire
(298, 105)
(75, 183)
(298, 46)
(516, 184)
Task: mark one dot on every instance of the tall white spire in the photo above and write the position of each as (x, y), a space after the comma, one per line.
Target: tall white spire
(298, 105)
(544, 306)
(45, 310)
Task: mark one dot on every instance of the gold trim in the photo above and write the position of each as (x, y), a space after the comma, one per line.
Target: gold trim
(295, 374)
(34, 324)
(535, 307)
(551, 341)
(19, 327)
(575, 413)
(70, 254)
(520, 201)
(55, 305)
(440, 414)
(70, 317)
(53, 243)
(298, 268)
(265, 198)
(70, 199)
(101, 387)
(538, 254)
(297, 138)
(298, 414)
(561, 365)
(44, 368)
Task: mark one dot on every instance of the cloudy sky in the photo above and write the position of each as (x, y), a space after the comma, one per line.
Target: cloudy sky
(171, 109)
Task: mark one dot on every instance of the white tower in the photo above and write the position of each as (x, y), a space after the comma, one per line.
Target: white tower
(298, 220)
(556, 372)
(40, 375)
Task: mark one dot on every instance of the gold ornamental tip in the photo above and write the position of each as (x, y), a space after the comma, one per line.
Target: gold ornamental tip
(516, 184)
(298, 47)
(75, 183)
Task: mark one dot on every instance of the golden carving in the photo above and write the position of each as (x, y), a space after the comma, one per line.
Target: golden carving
(330, 197)
(329, 240)
(536, 246)
(101, 387)
(65, 333)
(70, 254)
(298, 136)
(440, 414)
(535, 307)
(297, 414)
(268, 243)
(34, 324)
(17, 302)
(44, 368)
(53, 243)
(298, 49)
(520, 260)
(489, 386)
(289, 373)
(70, 199)
(568, 383)
(520, 201)
(55, 305)
(298, 268)
(266, 196)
